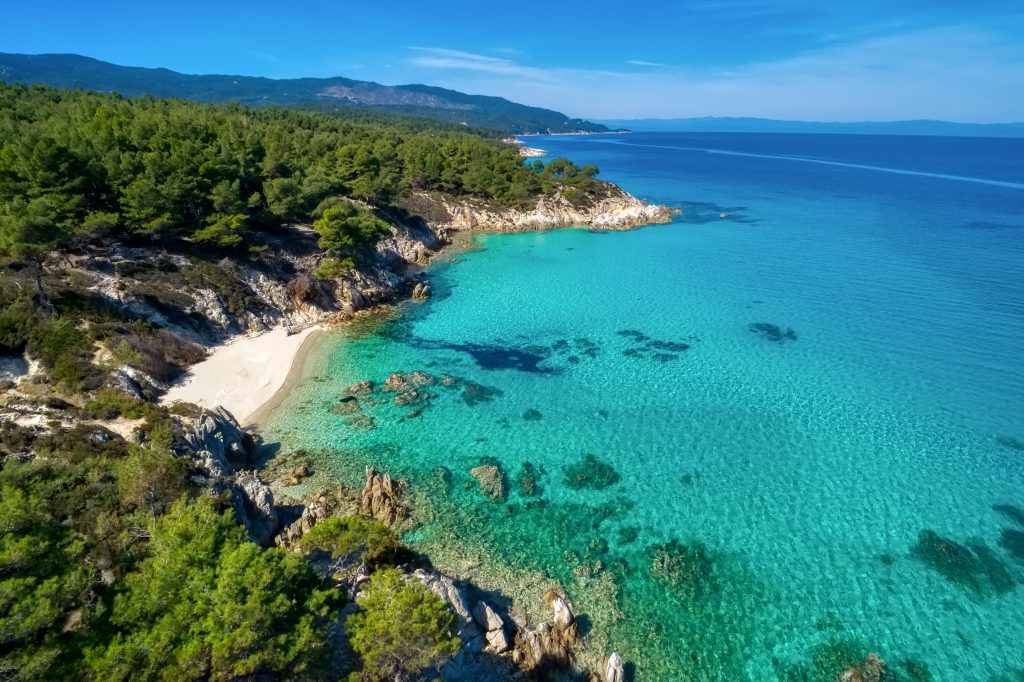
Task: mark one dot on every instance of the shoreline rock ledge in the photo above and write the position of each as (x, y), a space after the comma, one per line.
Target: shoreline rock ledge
(617, 210)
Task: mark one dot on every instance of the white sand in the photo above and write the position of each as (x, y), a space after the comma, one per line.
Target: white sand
(243, 374)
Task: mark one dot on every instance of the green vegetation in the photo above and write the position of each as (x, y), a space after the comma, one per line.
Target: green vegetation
(343, 228)
(358, 99)
(78, 166)
(249, 611)
(352, 539)
(401, 629)
(215, 183)
(112, 567)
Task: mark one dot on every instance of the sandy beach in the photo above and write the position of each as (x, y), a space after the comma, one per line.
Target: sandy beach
(243, 374)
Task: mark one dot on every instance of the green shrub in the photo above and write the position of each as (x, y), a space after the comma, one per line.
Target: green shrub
(354, 538)
(110, 403)
(402, 628)
(207, 604)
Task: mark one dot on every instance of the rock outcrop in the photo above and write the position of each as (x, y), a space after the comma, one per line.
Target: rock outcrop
(613, 669)
(383, 498)
(619, 210)
(320, 507)
(216, 446)
(544, 651)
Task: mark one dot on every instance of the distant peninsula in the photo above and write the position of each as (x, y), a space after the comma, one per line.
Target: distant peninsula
(724, 124)
(77, 71)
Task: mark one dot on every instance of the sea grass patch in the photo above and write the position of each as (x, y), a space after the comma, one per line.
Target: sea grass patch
(1012, 541)
(687, 569)
(972, 566)
(529, 480)
(772, 332)
(590, 473)
(1012, 512)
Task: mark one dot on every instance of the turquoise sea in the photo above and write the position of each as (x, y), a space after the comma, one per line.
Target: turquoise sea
(812, 408)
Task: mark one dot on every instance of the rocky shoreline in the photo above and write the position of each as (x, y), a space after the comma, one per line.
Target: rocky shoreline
(196, 305)
(495, 643)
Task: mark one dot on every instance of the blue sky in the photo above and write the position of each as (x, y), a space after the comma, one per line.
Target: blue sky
(800, 59)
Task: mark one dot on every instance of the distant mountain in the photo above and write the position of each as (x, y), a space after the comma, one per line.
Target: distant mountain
(711, 124)
(76, 71)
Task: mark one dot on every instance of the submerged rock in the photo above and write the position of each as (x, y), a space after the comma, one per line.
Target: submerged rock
(396, 381)
(474, 393)
(1013, 542)
(872, 669)
(360, 388)
(413, 396)
(492, 481)
(296, 475)
(1014, 513)
(528, 480)
(772, 332)
(347, 406)
(590, 472)
(972, 566)
(687, 569)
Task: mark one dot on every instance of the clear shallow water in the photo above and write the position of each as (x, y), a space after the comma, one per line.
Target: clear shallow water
(806, 467)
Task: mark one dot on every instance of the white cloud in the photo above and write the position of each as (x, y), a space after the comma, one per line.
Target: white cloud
(953, 73)
(641, 62)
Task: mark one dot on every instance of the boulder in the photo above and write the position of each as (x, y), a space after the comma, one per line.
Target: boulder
(382, 498)
(452, 594)
(498, 641)
(421, 291)
(360, 388)
(216, 438)
(396, 382)
(319, 508)
(613, 669)
(486, 617)
(254, 507)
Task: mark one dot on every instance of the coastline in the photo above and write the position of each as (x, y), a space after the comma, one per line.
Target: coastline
(246, 373)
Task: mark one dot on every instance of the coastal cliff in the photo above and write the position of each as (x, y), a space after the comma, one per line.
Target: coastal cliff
(618, 210)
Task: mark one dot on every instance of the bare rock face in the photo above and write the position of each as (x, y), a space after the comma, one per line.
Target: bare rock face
(548, 649)
(421, 291)
(320, 507)
(383, 498)
(613, 669)
(217, 439)
(254, 507)
(618, 210)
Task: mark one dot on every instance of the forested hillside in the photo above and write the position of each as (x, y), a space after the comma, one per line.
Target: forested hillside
(76, 165)
(342, 94)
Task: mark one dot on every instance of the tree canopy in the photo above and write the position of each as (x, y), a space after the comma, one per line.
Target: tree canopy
(75, 165)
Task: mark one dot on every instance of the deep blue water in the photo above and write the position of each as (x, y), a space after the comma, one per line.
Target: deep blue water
(807, 457)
